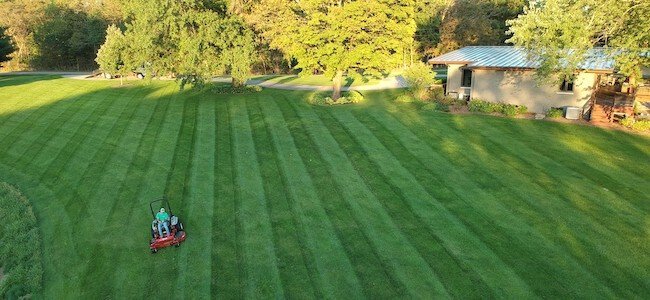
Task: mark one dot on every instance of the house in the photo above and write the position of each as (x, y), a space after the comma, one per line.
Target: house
(505, 74)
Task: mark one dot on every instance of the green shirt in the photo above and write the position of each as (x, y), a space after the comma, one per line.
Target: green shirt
(162, 216)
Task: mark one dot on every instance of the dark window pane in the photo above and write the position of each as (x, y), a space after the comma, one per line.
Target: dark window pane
(466, 80)
(567, 85)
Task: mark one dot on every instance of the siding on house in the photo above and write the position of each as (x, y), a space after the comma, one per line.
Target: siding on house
(520, 87)
(454, 77)
(505, 74)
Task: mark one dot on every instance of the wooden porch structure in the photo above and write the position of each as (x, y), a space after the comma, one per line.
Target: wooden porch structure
(608, 106)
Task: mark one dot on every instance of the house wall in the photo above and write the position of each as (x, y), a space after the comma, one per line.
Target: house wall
(521, 88)
(454, 74)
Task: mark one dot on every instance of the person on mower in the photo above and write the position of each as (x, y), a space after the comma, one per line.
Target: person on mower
(163, 219)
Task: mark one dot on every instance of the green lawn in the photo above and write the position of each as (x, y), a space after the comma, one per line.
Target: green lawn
(285, 200)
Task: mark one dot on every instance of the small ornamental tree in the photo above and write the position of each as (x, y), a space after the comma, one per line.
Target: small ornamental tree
(369, 37)
(420, 77)
(109, 57)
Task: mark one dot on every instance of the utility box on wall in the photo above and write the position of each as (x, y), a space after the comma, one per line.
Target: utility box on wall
(572, 112)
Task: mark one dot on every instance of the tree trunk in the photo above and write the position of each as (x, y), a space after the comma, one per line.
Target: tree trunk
(338, 80)
(237, 83)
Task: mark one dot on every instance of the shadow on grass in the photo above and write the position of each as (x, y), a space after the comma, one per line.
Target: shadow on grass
(15, 80)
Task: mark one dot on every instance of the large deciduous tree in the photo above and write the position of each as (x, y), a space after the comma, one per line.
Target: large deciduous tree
(355, 36)
(191, 39)
(446, 25)
(559, 33)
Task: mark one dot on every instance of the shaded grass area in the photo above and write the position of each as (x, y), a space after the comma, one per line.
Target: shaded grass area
(286, 200)
(21, 269)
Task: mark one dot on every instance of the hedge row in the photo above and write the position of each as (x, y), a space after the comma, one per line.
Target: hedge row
(492, 107)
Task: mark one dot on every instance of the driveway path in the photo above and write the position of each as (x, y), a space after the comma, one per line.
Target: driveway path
(395, 82)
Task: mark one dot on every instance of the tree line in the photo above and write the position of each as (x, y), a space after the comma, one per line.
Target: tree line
(66, 34)
(195, 39)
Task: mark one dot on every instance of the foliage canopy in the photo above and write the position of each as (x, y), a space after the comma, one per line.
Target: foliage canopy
(559, 33)
(334, 37)
(192, 40)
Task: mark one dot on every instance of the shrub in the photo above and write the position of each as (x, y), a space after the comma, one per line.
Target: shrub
(554, 113)
(509, 110)
(405, 98)
(435, 106)
(482, 106)
(20, 250)
(638, 125)
(229, 89)
(420, 77)
(641, 125)
(491, 107)
(522, 109)
(355, 97)
(324, 98)
(317, 98)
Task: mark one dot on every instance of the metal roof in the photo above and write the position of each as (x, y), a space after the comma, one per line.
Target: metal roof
(514, 57)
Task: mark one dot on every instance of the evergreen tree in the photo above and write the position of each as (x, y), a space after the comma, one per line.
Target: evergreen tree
(109, 57)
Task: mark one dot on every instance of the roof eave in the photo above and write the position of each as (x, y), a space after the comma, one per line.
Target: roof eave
(449, 62)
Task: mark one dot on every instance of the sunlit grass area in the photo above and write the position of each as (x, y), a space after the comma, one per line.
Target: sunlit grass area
(286, 200)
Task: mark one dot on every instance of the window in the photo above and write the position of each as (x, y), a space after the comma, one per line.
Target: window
(466, 80)
(567, 85)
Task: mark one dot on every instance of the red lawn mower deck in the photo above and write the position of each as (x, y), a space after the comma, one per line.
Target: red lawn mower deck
(173, 238)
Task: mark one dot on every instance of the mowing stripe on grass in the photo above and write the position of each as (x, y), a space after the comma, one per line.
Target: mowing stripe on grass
(509, 282)
(609, 258)
(550, 215)
(485, 205)
(371, 271)
(193, 270)
(151, 186)
(261, 273)
(117, 203)
(610, 149)
(533, 175)
(164, 265)
(14, 128)
(620, 182)
(605, 201)
(226, 251)
(295, 262)
(106, 201)
(126, 209)
(336, 275)
(50, 141)
(71, 111)
(24, 102)
(20, 104)
(77, 154)
(390, 243)
(460, 280)
(64, 193)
